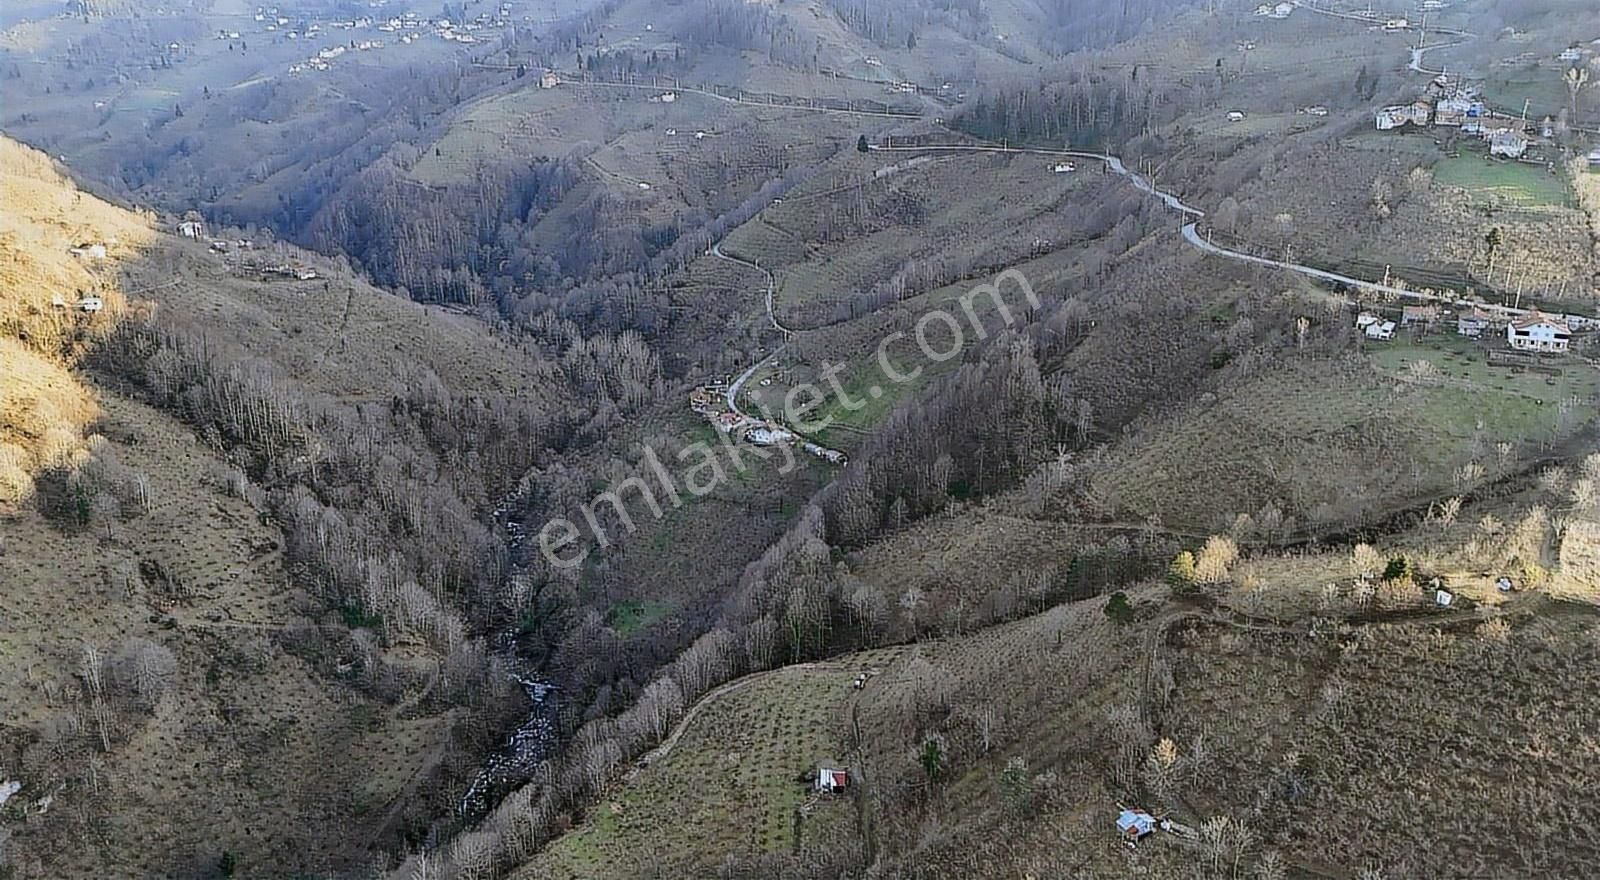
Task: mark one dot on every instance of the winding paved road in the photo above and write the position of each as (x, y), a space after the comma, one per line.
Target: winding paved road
(732, 394)
(738, 384)
(1191, 215)
(1190, 228)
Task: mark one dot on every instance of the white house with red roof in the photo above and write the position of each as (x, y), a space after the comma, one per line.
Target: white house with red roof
(831, 781)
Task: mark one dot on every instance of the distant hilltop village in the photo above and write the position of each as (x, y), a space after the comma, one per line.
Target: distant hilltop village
(1449, 102)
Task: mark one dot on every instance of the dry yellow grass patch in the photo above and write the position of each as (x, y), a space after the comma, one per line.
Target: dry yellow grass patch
(45, 216)
(43, 407)
(43, 411)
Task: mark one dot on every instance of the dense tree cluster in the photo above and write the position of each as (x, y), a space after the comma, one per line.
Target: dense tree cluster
(1071, 25)
(896, 24)
(1082, 107)
(734, 24)
(977, 429)
(381, 501)
(462, 243)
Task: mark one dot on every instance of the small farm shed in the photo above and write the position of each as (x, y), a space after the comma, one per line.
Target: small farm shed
(1472, 323)
(832, 781)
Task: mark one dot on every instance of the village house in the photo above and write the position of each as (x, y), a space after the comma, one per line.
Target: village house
(1472, 324)
(549, 80)
(1235, 116)
(91, 304)
(1282, 10)
(1538, 332)
(1135, 825)
(1451, 111)
(1509, 143)
(191, 229)
(1064, 168)
(1396, 24)
(1392, 117)
(831, 781)
(1571, 53)
(1581, 322)
(704, 401)
(769, 434)
(1375, 327)
(89, 251)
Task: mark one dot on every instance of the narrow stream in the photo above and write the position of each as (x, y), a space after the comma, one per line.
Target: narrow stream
(529, 745)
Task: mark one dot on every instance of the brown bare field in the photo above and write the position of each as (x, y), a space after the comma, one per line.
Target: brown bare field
(957, 211)
(248, 747)
(1321, 740)
(696, 153)
(1342, 742)
(335, 334)
(1323, 205)
(43, 408)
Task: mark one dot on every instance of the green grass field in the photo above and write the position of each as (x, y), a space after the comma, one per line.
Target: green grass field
(1420, 143)
(634, 615)
(1361, 437)
(1471, 392)
(872, 410)
(1540, 86)
(1525, 185)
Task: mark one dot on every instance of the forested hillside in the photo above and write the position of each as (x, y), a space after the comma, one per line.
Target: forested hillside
(322, 466)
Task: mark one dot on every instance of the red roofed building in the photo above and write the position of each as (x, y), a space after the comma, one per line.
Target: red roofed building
(831, 781)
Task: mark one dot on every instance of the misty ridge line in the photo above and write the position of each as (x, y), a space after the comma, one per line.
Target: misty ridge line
(939, 336)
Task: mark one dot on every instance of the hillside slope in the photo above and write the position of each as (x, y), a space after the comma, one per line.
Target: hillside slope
(181, 688)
